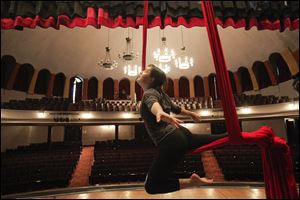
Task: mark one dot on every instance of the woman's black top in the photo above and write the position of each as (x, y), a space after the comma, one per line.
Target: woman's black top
(157, 131)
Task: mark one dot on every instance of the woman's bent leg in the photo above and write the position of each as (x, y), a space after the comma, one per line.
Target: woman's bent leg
(198, 140)
(171, 152)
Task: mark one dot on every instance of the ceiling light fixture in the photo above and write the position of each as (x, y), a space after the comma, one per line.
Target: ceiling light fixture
(164, 55)
(183, 61)
(128, 56)
(108, 63)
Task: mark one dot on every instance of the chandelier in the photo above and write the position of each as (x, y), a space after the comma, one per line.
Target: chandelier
(164, 56)
(183, 61)
(128, 56)
(108, 63)
(132, 70)
(164, 67)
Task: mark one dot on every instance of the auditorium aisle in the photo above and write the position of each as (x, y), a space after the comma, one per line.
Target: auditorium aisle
(82, 172)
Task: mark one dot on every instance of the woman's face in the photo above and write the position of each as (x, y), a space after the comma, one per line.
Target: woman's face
(144, 79)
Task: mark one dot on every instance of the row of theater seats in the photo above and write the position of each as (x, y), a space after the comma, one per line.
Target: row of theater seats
(65, 104)
(240, 162)
(129, 161)
(123, 144)
(193, 103)
(44, 166)
(38, 166)
(258, 99)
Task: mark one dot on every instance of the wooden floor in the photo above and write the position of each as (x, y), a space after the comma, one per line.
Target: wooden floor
(220, 192)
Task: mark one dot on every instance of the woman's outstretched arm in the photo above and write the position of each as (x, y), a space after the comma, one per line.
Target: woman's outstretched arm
(193, 115)
(157, 110)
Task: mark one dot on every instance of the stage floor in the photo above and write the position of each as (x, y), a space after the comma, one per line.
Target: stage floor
(240, 190)
(193, 193)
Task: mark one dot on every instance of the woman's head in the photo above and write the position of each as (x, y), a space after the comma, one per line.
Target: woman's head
(151, 77)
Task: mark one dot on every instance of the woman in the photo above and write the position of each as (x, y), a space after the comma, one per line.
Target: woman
(172, 140)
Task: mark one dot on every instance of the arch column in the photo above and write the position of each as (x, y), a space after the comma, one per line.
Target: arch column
(253, 80)
(296, 56)
(66, 88)
(237, 83)
(100, 89)
(33, 82)
(206, 86)
(132, 89)
(176, 88)
(85, 89)
(192, 88)
(13, 75)
(50, 86)
(116, 89)
(290, 61)
(271, 73)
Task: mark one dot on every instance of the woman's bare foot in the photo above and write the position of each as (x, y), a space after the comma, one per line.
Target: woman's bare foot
(196, 180)
(193, 181)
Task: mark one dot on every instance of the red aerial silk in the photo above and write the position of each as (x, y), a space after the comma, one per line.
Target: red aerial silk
(278, 171)
(279, 177)
(145, 25)
(223, 80)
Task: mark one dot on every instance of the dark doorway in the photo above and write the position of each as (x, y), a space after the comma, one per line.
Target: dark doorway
(73, 134)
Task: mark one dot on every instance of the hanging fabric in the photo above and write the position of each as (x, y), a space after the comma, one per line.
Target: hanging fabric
(223, 80)
(145, 28)
(279, 177)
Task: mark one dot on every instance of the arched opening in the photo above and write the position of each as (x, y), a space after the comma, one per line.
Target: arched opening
(24, 77)
(59, 84)
(42, 81)
(8, 63)
(184, 87)
(198, 86)
(213, 86)
(245, 79)
(92, 88)
(75, 92)
(124, 89)
(170, 87)
(108, 88)
(280, 67)
(261, 74)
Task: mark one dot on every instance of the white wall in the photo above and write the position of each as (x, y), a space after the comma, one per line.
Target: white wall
(283, 89)
(7, 95)
(203, 128)
(91, 134)
(57, 133)
(81, 48)
(14, 136)
(278, 126)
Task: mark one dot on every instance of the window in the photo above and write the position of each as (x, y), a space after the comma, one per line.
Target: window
(76, 89)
